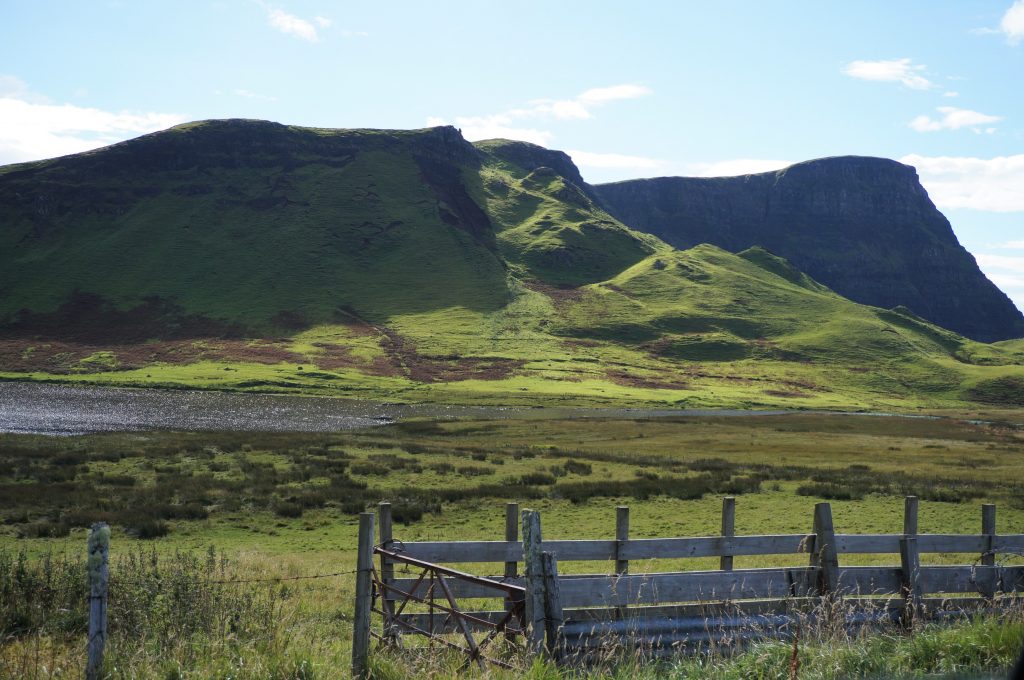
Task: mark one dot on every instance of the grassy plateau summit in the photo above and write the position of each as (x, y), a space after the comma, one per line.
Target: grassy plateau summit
(414, 265)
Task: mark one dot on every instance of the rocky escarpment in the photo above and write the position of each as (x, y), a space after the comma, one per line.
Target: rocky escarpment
(865, 227)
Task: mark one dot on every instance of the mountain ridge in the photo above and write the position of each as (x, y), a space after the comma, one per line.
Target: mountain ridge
(413, 265)
(861, 225)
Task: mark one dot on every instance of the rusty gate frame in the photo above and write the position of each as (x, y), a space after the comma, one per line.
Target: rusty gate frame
(515, 597)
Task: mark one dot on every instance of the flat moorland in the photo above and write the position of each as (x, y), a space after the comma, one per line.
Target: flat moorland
(208, 507)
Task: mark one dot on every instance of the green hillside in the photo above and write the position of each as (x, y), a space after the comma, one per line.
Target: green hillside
(416, 266)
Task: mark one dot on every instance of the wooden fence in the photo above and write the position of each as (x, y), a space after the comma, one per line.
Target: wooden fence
(572, 615)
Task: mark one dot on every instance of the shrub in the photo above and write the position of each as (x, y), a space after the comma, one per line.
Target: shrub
(148, 528)
(537, 478)
(44, 529)
(473, 470)
(287, 509)
(575, 467)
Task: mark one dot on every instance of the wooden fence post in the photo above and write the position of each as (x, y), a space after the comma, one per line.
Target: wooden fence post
(98, 565)
(728, 528)
(910, 566)
(387, 568)
(987, 584)
(553, 617)
(511, 567)
(825, 557)
(534, 572)
(364, 598)
(512, 536)
(621, 536)
(910, 516)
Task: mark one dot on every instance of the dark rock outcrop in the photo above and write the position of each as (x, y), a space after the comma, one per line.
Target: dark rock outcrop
(865, 227)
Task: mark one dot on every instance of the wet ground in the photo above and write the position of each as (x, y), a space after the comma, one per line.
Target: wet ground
(34, 408)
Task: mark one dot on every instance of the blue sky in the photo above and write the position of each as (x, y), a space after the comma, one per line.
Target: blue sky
(629, 89)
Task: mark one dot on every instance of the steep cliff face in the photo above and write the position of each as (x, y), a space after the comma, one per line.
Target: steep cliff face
(865, 227)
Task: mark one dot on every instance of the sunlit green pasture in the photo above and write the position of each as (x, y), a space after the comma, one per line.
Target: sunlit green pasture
(282, 505)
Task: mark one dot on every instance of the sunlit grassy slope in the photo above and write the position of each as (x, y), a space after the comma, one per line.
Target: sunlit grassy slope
(415, 266)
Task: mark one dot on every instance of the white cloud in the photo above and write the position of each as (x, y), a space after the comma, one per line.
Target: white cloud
(1012, 25)
(1013, 264)
(1006, 272)
(992, 184)
(506, 125)
(589, 159)
(290, 24)
(569, 110)
(739, 166)
(889, 71)
(13, 87)
(323, 22)
(954, 119)
(499, 126)
(30, 130)
(1013, 245)
(951, 94)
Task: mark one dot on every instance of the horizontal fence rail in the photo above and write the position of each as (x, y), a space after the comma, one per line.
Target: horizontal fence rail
(660, 612)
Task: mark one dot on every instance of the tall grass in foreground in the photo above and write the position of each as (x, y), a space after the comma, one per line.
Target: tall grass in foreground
(980, 648)
(183, 616)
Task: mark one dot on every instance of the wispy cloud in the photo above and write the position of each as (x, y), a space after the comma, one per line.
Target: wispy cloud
(738, 166)
(1013, 245)
(31, 128)
(902, 71)
(323, 22)
(289, 24)
(510, 124)
(589, 159)
(990, 184)
(1014, 264)
(954, 119)
(1012, 24)
(951, 94)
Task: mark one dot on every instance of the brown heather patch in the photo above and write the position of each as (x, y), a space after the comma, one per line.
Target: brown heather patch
(559, 296)
(786, 393)
(628, 379)
(451, 368)
(23, 355)
(334, 357)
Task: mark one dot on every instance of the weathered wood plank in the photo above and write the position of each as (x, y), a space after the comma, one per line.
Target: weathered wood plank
(869, 580)
(448, 552)
(970, 579)
(716, 546)
(686, 586)
(582, 615)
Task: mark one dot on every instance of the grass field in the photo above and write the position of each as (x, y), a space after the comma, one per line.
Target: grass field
(272, 505)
